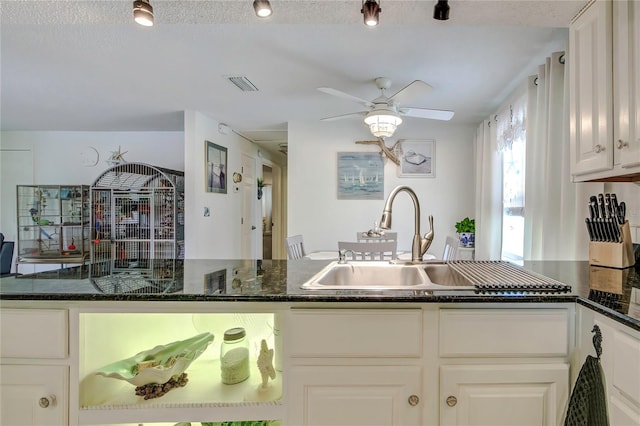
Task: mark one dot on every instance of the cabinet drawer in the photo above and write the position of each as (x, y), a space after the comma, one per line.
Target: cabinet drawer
(33, 333)
(504, 332)
(355, 333)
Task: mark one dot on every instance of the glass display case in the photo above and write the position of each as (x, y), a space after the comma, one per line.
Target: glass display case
(53, 224)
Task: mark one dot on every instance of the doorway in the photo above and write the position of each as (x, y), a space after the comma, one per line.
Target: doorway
(267, 212)
(271, 211)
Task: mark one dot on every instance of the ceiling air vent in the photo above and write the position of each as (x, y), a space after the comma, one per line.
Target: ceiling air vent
(243, 84)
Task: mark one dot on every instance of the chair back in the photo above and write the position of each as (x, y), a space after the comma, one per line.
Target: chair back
(387, 236)
(295, 247)
(450, 248)
(380, 250)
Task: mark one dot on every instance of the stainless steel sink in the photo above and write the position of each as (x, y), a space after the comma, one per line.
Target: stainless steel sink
(379, 275)
(444, 275)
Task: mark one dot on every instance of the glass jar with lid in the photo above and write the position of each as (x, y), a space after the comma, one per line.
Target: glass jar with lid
(234, 356)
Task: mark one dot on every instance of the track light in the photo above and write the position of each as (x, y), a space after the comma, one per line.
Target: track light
(441, 10)
(143, 13)
(371, 11)
(262, 8)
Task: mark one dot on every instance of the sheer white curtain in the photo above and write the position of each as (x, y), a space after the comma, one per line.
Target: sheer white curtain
(555, 207)
(488, 192)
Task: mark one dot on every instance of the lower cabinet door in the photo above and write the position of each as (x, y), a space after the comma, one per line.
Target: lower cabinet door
(622, 413)
(355, 395)
(503, 395)
(33, 395)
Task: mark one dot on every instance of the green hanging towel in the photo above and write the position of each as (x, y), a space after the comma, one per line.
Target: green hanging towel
(588, 403)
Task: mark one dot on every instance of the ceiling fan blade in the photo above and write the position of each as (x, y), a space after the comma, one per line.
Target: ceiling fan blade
(339, 117)
(434, 114)
(412, 90)
(343, 95)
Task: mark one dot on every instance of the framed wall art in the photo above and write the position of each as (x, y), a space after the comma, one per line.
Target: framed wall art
(417, 158)
(215, 168)
(360, 176)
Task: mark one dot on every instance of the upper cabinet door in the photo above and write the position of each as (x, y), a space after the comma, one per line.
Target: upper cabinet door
(626, 83)
(591, 69)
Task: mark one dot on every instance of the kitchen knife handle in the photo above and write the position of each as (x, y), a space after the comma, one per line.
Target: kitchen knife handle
(589, 230)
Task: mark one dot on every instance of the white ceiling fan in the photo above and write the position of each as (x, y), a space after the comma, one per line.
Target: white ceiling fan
(384, 113)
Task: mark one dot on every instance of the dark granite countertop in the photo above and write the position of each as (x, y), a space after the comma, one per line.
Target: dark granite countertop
(612, 292)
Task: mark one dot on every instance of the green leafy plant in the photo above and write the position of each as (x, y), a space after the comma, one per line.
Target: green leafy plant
(466, 225)
(260, 182)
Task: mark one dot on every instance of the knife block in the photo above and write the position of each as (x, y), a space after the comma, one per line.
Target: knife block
(613, 255)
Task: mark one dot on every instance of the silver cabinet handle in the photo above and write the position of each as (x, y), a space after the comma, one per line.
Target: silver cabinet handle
(452, 401)
(414, 400)
(44, 402)
(598, 148)
(621, 144)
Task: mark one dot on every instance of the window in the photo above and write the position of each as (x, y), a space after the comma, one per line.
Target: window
(513, 165)
(511, 141)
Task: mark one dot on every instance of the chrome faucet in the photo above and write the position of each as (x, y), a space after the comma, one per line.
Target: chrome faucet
(342, 256)
(419, 245)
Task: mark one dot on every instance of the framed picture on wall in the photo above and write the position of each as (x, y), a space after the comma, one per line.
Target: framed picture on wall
(215, 168)
(417, 158)
(360, 176)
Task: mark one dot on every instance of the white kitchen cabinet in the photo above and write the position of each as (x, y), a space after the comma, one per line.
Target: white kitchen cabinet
(626, 84)
(604, 65)
(355, 395)
(620, 362)
(34, 374)
(590, 100)
(355, 367)
(504, 394)
(34, 395)
(527, 386)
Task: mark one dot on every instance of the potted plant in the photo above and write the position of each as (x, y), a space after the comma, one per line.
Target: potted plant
(466, 229)
(260, 186)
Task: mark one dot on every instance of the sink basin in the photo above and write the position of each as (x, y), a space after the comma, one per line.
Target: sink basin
(442, 274)
(381, 275)
(367, 275)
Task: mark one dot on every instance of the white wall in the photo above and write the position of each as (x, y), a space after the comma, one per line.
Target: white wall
(315, 212)
(219, 235)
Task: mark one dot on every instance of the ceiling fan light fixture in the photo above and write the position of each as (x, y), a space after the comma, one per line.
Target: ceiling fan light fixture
(262, 8)
(143, 13)
(441, 10)
(371, 11)
(382, 124)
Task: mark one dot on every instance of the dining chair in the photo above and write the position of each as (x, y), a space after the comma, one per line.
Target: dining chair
(387, 236)
(379, 250)
(450, 248)
(295, 247)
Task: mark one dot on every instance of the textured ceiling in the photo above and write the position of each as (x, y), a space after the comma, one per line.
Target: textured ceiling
(84, 65)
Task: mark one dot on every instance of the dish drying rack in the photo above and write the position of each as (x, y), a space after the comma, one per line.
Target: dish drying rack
(504, 278)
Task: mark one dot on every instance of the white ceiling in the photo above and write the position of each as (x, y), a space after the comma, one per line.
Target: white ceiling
(84, 65)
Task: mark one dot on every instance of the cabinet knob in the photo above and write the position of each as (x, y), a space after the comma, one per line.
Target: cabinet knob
(452, 401)
(45, 401)
(414, 400)
(621, 144)
(598, 148)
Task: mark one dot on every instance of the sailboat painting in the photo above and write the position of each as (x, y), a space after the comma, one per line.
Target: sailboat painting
(360, 176)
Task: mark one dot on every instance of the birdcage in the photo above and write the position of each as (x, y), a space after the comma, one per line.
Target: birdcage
(137, 221)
